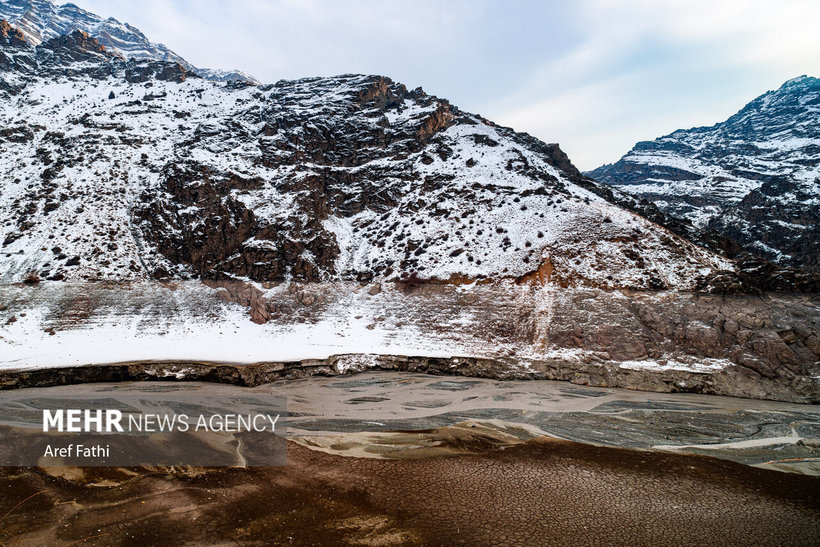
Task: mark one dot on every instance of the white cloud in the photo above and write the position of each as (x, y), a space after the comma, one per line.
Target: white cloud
(642, 68)
(594, 75)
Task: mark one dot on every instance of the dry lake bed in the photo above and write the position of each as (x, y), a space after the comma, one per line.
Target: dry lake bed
(393, 458)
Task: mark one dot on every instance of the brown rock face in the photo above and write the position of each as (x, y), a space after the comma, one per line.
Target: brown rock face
(77, 46)
(15, 54)
(10, 36)
(207, 228)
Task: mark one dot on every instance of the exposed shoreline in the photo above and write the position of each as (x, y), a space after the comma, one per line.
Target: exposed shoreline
(762, 347)
(388, 414)
(603, 374)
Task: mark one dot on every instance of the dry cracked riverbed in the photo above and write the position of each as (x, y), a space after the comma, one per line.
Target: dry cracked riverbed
(391, 458)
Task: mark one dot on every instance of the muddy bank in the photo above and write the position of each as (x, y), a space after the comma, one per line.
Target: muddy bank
(539, 492)
(730, 381)
(405, 415)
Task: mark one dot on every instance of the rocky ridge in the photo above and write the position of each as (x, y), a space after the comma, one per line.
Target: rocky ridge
(754, 179)
(43, 20)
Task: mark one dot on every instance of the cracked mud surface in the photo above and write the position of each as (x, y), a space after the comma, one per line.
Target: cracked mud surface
(539, 492)
(423, 460)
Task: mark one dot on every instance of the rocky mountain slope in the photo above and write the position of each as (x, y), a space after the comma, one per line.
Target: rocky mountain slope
(754, 178)
(42, 20)
(126, 169)
(345, 215)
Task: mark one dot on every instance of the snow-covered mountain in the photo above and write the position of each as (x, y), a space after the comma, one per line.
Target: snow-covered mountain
(42, 20)
(348, 215)
(125, 169)
(754, 178)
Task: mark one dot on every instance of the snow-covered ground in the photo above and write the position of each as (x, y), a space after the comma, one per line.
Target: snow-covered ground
(63, 324)
(232, 338)
(694, 365)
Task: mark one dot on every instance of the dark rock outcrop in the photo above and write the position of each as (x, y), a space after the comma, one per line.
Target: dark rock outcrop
(204, 227)
(10, 36)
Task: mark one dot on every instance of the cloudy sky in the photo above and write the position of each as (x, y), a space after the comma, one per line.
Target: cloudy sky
(594, 75)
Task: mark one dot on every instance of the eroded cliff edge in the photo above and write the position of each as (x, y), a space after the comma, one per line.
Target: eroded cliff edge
(759, 346)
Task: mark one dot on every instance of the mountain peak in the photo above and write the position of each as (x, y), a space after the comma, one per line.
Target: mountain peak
(797, 80)
(754, 178)
(42, 20)
(347, 177)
